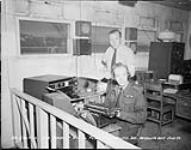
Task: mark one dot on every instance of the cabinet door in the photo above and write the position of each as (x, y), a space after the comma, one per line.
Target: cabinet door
(159, 58)
(166, 58)
(183, 107)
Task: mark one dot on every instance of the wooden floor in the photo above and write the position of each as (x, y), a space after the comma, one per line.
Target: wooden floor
(175, 136)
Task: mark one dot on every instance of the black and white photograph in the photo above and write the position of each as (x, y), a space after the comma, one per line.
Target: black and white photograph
(95, 74)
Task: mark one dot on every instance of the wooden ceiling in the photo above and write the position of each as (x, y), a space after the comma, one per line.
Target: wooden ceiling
(181, 4)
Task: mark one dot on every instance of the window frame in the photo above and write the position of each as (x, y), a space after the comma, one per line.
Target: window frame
(69, 43)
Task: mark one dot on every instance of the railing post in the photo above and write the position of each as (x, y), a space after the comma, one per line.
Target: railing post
(53, 131)
(32, 126)
(42, 128)
(65, 135)
(24, 130)
(16, 121)
(81, 139)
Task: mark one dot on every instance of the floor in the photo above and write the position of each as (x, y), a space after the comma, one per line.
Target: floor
(175, 136)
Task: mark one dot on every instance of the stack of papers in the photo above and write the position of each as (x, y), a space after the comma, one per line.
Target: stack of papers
(170, 90)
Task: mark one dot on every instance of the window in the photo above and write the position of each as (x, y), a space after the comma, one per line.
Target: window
(131, 38)
(145, 37)
(100, 38)
(43, 37)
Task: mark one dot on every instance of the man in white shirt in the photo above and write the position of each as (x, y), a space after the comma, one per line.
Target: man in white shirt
(117, 52)
(124, 54)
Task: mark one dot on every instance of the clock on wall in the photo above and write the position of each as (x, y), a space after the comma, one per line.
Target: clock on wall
(83, 28)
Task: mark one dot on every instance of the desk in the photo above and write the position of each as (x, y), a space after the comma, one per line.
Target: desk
(159, 110)
(183, 104)
(182, 98)
(179, 87)
(182, 101)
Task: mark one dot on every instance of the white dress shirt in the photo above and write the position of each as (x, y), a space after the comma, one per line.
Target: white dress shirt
(124, 55)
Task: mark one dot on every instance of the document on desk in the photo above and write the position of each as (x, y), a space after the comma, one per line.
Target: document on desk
(170, 90)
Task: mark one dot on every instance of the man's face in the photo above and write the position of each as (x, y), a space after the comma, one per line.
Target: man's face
(114, 39)
(121, 75)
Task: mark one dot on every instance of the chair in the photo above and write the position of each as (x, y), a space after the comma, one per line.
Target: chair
(159, 110)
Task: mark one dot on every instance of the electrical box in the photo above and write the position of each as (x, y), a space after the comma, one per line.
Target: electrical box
(82, 47)
(83, 28)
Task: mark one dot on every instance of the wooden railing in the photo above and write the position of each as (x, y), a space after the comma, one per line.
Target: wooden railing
(35, 126)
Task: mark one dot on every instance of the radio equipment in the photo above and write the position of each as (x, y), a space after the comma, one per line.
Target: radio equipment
(39, 85)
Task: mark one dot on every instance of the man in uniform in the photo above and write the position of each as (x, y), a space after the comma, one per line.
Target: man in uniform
(129, 98)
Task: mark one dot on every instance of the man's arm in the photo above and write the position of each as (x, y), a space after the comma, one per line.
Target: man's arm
(128, 58)
(105, 64)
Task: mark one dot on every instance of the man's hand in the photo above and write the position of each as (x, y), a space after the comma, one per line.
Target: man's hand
(118, 113)
(101, 87)
(114, 113)
(83, 114)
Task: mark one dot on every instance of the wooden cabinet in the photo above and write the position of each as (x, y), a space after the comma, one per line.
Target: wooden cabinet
(158, 109)
(183, 105)
(166, 58)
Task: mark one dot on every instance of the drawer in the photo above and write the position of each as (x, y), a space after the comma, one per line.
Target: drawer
(183, 108)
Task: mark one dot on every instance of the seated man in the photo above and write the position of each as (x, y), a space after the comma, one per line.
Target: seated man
(126, 96)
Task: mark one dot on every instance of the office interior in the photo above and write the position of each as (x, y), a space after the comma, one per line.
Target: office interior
(55, 44)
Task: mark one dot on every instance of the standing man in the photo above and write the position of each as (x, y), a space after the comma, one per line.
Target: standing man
(114, 54)
(118, 53)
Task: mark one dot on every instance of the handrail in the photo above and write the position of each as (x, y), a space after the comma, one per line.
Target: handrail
(98, 134)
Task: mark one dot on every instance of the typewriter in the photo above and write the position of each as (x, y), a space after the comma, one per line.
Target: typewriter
(103, 115)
